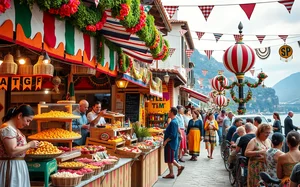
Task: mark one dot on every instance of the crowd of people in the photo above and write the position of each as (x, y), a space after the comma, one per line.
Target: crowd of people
(267, 147)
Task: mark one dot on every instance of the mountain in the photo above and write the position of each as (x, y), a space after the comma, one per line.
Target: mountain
(263, 99)
(287, 89)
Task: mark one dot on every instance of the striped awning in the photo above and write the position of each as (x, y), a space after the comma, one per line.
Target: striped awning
(130, 43)
(195, 94)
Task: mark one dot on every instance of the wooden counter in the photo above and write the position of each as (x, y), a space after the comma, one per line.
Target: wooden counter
(162, 166)
(144, 170)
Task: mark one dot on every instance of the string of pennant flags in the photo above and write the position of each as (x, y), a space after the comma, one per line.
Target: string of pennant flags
(248, 8)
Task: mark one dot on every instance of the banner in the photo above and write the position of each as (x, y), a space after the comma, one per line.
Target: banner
(3, 83)
(15, 83)
(27, 83)
(38, 83)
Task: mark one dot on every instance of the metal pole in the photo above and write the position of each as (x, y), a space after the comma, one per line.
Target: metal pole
(241, 96)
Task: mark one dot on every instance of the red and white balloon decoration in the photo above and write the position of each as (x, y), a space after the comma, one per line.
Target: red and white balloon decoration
(220, 100)
(216, 85)
(239, 58)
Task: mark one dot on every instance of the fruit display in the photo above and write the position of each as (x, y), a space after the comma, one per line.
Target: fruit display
(132, 149)
(81, 171)
(65, 149)
(158, 138)
(84, 160)
(55, 133)
(155, 130)
(98, 164)
(44, 149)
(151, 143)
(90, 149)
(65, 175)
(56, 114)
(71, 165)
(91, 166)
(116, 139)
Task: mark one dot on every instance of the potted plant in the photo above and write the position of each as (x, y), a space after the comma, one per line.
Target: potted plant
(141, 132)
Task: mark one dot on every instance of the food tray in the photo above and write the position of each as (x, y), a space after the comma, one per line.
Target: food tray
(88, 175)
(66, 167)
(56, 118)
(53, 139)
(45, 156)
(145, 150)
(126, 154)
(66, 182)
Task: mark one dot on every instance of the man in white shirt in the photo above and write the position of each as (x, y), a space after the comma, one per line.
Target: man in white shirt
(95, 116)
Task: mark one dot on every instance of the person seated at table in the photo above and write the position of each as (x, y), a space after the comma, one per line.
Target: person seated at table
(95, 117)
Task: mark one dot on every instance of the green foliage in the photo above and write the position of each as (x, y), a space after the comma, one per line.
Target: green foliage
(133, 17)
(86, 16)
(140, 132)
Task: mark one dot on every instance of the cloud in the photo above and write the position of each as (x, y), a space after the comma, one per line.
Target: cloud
(269, 19)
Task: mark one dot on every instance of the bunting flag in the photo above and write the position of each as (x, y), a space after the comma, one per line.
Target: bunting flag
(182, 32)
(147, 8)
(38, 83)
(200, 34)
(188, 70)
(96, 3)
(15, 83)
(288, 4)
(189, 52)
(260, 38)
(263, 53)
(27, 83)
(248, 9)
(171, 10)
(208, 53)
(237, 37)
(176, 67)
(204, 72)
(283, 37)
(252, 72)
(171, 51)
(232, 78)
(217, 36)
(206, 10)
(3, 83)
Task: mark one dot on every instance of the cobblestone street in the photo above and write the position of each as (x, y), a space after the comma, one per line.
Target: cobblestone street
(204, 172)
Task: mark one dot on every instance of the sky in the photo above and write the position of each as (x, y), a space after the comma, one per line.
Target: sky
(270, 19)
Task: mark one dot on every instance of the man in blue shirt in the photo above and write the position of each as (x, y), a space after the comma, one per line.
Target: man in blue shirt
(81, 125)
(171, 144)
(237, 122)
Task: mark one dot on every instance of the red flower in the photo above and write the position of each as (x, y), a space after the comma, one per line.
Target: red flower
(124, 11)
(141, 24)
(91, 28)
(4, 5)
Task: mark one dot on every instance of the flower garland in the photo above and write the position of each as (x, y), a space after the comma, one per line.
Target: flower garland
(162, 54)
(4, 5)
(66, 10)
(240, 100)
(141, 24)
(156, 41)
(123, 12)
(125, 63)
(99, 25)
(137, 75)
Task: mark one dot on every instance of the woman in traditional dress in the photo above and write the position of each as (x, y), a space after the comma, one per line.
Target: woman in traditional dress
(287, 161)
(195, 135)
(13, 146)
(210, 127)
(256, 152)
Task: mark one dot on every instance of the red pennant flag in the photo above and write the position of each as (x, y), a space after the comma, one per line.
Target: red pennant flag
(171, 51)
(208, 53)
(204, 72)
(217, 36)
(206, 10)
(237, 37)
(200, 34)
(288, 4)
(252, 72)
(283, 37)
(248, 9)
(260, 38)
(182, 32)
(189, 52)
(171, 10)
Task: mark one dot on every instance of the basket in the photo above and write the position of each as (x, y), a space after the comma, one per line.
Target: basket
(98, 171)
(88, 175)
(145, 150)
(126, 154)
(81, 70)
(41, 68)
(66, 182)
(8, 67)
(108, 166)
(26, 69)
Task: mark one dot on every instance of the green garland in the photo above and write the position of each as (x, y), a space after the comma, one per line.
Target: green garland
(167, 52)
(241, 111)
(240, 100)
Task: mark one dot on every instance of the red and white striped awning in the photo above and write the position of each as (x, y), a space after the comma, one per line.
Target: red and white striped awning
(195, 94)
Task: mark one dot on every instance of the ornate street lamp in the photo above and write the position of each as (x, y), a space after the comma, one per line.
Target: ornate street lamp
(221, 101)
(218, 93)
(239, 59)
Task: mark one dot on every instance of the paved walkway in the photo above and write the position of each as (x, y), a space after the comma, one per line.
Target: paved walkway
(204, 172)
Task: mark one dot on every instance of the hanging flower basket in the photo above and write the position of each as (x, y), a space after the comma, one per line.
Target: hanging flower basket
(26, 69)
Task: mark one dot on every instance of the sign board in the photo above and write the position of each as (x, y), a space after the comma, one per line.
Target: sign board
(24, 82)
(286, 53)
(132, 106)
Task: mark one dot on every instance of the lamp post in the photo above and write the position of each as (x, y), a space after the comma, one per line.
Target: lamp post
(239, 59)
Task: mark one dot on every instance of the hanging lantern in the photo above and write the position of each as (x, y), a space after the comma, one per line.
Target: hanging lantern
(220, 100)
(82, 70)
(212, 94)
(216, 85)
(239, 58)
(26, 68)
(43, 69)
(8, 67)
(56, 82)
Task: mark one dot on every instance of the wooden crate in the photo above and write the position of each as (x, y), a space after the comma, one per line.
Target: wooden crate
(130, 142)
(110, 145)
(126, 154)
